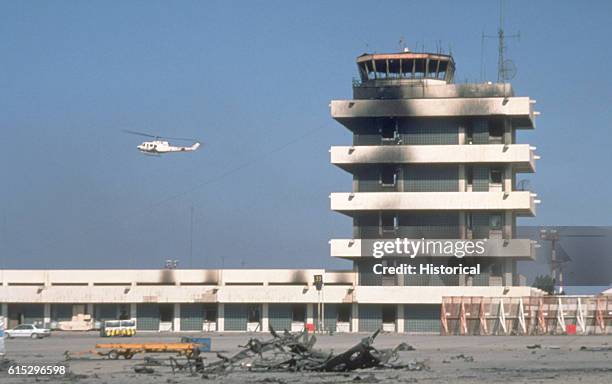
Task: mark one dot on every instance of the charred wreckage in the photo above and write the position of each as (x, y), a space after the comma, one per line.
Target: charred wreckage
(291, 352)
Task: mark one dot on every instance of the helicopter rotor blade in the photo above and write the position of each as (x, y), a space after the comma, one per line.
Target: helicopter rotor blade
(140, 133)
(181, 138)
(160, 137)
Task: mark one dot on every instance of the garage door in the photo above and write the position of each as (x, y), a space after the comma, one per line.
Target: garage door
(192, 317)
(147, 316)
(235, 317)
(370, 317)
(280, 316)
(422, 318)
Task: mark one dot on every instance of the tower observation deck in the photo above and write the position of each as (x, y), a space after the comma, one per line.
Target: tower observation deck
(405, 66)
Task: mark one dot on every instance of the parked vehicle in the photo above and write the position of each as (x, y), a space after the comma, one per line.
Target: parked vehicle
(118, 328)
(28, 330)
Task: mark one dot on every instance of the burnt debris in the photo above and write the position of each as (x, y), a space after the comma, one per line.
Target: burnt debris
(295, 352)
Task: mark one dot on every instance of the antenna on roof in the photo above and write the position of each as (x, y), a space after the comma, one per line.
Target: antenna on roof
(402, 44)
(506, 69)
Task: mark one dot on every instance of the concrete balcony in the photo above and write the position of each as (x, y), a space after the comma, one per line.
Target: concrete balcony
(522, 249)
(519, 109)
(521, 156)
(522, 202)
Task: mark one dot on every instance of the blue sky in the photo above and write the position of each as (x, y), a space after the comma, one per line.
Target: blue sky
(253, 81)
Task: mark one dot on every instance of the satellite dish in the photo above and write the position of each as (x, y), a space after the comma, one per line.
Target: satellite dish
(508, 70)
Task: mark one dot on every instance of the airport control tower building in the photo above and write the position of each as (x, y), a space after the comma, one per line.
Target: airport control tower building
(432, 159)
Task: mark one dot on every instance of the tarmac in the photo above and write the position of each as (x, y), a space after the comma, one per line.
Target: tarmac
(448, 359)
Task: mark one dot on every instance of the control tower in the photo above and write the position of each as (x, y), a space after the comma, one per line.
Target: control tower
(432, 160)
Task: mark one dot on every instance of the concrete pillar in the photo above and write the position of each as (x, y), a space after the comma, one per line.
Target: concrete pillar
(133, 311)
(176, 322)
(399, 323)
(508, 187)
(46, 313)
(265, 321)
(508, 132)
(355, 318)
(89, 307)
(462, 178)
(462, 280)
(508, 221)
(221, 318)
(461, 134)
(507, 272)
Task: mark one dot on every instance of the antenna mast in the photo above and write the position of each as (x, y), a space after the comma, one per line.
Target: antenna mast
(506, 69)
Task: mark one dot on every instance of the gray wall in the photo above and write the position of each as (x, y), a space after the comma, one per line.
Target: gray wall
(410, 178)
(412, 131)
(428, 225)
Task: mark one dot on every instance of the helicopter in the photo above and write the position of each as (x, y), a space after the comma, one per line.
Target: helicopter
(159, 145)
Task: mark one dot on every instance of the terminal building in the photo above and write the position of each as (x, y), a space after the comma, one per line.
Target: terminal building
(430, 160)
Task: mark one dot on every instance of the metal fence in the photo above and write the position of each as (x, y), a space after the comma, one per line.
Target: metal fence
(531, 315)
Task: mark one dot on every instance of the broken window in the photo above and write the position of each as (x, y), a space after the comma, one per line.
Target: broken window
(124, 312)
(388, 222)
(344, 313)
(469, 134)
(495, 221)
(496, 269)
(166, 313)
(299, 312)
(253, 314)
(496, 130)
(496, 176)
(388, 176)
(388, 129)
(469, 175)
(388, 313)
(210, 314)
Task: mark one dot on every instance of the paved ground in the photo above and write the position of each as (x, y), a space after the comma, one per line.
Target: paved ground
(496, 359)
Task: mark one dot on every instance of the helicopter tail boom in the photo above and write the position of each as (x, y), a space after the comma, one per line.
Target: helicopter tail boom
(195, 146)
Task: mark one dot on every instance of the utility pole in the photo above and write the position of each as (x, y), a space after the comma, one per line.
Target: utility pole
(191, 239)
(318, 282)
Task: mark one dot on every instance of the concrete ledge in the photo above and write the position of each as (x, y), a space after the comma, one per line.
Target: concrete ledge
(433, 295)
(519, 109)
(521, 156)
(522, 202)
